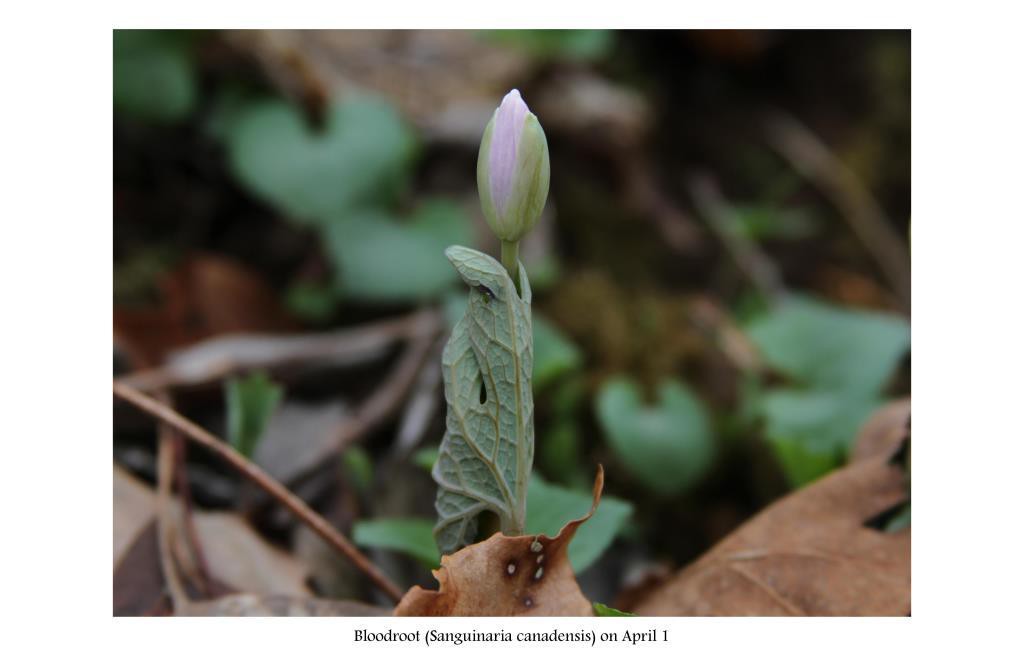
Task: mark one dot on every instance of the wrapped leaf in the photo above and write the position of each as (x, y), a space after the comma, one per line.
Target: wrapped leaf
(487, 451)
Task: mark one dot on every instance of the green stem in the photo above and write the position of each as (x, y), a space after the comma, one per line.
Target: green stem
(510, 259)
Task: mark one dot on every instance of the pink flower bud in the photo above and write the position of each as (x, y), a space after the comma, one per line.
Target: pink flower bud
(513, 169)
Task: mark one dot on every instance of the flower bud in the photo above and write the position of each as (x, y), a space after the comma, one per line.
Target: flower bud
(512, 170)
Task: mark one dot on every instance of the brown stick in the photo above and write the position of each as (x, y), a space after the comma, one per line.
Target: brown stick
(255, 474)
(812, 158)
(383, 402)
(165, 526)
(758, 268)
(185, 494)
(214, 359)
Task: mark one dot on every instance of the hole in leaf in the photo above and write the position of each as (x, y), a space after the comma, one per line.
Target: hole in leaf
(483, 393)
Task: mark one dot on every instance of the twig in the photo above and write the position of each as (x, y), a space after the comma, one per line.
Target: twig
(812, 158)
(761, 271)
(421, 405)
(255, 474)
(682, 234)
(217, 358)
(385, 400)
(165, 525)
(715, 322)
(185, 493)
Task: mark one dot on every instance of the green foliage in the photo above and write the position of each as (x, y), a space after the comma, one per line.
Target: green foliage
(554, 355)
(425, 458)
(900, 520)
(827, 347)
(760, 222)
(358, 467)
(487, 451)
(154, 76)
(250, 403)
(668, 444)
(311, 302)
(561, 445)
(602, 610)
(380, 258)
(550, 507)
(839, 361)
(360, 157)
(412, 536)
(561, 449)
(579, 45)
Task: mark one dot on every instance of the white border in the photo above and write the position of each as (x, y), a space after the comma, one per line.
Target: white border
(967, 109)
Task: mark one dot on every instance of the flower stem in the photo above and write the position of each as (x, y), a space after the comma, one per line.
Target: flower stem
(510, 259)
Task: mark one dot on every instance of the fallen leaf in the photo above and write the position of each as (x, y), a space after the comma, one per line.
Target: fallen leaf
(253, 605)
(205, 296)
(299, 437)
(138, 582)
(134, 509)
(884, 433)
(810, 553)
(450, 94)
(507, 576)
(239, 557)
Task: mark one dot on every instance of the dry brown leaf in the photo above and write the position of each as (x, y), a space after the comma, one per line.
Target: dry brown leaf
(450, 93)
(239, 557)
(205, 296)
(252, 605)
(884, 433)
(134, 509)
(507, 576)
(810, 553)
(236, 555)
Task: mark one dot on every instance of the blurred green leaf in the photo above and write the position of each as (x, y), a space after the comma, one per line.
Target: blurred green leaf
(840, 360)
(900, 521)
(250, 403)
(358, 468)
(561, 451)
(412, 536)
(360, 157)
(758, 222)
(602, 610)
(425, 458)
(379, 258)
(811, 430)
(667, 445)
(553, 353)
(831, 348)
(154, 76)
(579, 45)
(311, 302)
(550, 507)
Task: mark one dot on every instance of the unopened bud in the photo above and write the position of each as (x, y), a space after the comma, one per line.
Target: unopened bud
(513, 170)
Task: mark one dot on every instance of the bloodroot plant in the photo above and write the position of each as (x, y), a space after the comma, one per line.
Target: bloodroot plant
(487, 452)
